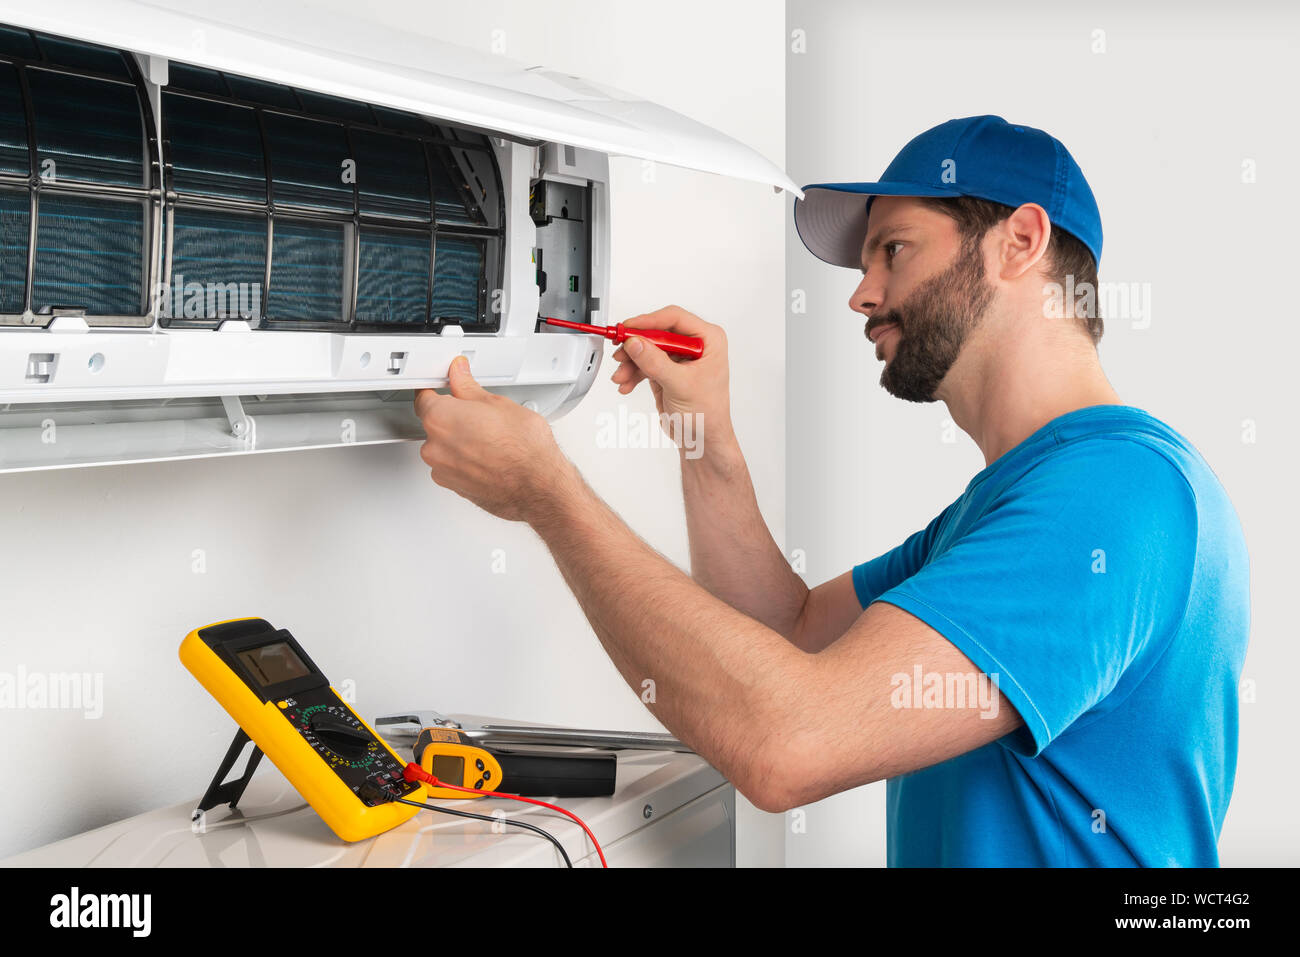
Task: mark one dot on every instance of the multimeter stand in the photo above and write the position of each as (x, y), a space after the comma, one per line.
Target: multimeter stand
(221, 791)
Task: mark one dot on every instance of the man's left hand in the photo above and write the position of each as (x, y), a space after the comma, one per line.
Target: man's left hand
(488, 448)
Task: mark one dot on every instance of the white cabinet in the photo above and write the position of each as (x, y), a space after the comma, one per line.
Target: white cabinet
(668, 810)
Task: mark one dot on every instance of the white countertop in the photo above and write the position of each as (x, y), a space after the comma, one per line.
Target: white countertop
(274, 827)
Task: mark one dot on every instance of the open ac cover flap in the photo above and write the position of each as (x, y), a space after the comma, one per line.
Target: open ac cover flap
(234, 235)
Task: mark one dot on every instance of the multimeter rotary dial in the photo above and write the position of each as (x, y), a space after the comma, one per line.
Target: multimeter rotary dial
(336, 732)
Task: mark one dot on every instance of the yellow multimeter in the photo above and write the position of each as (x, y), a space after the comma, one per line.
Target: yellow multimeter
(285, 705)
(450, 756)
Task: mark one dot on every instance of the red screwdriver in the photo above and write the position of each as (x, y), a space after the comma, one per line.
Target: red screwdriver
(673, 343)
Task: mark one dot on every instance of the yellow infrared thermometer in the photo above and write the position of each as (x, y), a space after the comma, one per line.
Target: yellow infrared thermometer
(450, 756)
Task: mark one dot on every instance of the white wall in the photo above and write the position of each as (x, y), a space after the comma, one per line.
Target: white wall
(386, 578)
(1160, 123)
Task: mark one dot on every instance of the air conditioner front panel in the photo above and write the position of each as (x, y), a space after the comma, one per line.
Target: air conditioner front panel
(353, 59)
(103, 366)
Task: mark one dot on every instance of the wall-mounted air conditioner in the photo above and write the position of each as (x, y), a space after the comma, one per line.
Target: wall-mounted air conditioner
(215, 239)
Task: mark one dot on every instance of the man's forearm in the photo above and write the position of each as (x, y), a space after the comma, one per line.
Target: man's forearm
(733, 553)
(717, 679)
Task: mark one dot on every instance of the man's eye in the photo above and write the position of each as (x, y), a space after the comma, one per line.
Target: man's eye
(888, 254)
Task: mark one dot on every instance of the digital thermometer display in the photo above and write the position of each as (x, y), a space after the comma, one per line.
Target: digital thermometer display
(447, 767)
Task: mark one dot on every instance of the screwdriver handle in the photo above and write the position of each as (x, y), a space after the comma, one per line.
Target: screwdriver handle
(671, 342)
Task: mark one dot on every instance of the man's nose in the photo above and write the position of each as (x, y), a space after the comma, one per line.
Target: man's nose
(866, 298)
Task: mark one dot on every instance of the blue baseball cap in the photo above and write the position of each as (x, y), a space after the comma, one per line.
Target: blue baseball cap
(983, 156)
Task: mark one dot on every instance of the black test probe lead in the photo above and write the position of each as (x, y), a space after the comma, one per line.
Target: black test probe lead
(492, 820)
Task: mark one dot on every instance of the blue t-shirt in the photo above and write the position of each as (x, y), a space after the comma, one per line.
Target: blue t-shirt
(1099, 570)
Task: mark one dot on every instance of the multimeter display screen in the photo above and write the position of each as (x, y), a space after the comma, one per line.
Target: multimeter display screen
(449, 768)
(274, 663)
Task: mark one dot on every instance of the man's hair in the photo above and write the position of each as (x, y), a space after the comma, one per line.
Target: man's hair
(1066, 254)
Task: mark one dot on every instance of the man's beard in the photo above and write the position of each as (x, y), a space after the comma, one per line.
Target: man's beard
(932, 325)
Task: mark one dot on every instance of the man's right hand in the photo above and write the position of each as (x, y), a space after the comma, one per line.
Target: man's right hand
(682, 387)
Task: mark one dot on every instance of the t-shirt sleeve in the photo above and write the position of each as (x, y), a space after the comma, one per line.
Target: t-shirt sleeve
(873, 578)
(1077, 573)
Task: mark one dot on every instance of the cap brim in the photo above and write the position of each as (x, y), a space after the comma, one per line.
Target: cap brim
(831, 219)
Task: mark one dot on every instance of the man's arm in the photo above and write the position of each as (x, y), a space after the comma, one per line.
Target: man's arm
(829, 611)
(734, 556)
(784, 726)
(733, 553)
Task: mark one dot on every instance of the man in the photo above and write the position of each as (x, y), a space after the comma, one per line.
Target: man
(1046, 673)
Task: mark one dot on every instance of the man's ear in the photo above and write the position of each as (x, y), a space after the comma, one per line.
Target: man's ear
(1022, 240)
